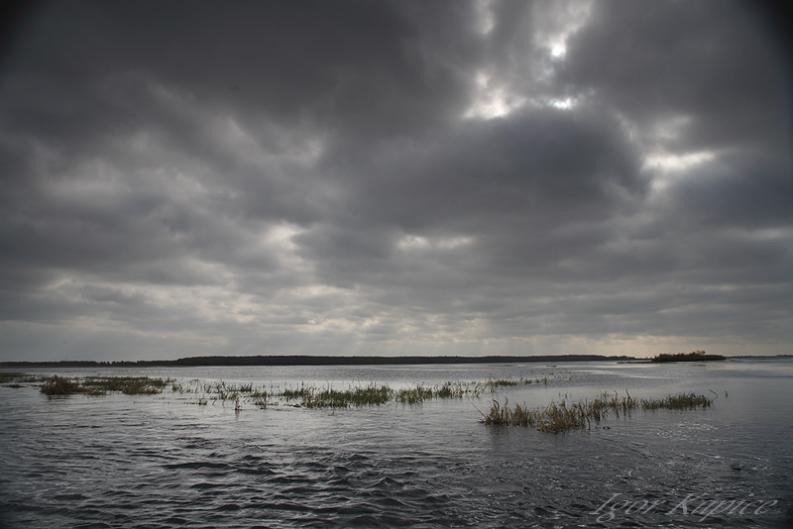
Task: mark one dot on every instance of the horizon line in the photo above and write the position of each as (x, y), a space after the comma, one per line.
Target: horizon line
(296, 360)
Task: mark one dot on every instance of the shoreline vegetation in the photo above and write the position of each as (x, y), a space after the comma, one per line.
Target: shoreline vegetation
(693, 356)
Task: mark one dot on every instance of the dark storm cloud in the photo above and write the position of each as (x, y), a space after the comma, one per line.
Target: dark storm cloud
(713, 62)
(357, 66)
(385, 177)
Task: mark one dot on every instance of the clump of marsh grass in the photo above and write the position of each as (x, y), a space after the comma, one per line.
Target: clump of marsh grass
(260, 399)
(218, 390)
(447, 390)
(457, 390)
(561, 417)
(56, 385)
(553, 419)
(415, 395)
(303, 392)
(681, 401)
(223, 391)
(313, 397)
(500, 414)
(613, 402)
(332, 398)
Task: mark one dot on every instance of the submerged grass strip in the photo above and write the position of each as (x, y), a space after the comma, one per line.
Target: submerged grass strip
(16, 378)
(373, 395)
(126, 385)
(501, 382)
(307, 396)
(561, 417)
(57, 385)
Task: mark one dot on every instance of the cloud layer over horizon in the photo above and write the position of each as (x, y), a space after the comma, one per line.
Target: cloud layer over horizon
(394, 177)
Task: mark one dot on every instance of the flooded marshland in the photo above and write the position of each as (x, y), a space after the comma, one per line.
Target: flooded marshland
(182, 456)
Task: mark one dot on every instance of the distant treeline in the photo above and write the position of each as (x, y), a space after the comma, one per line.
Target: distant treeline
(693, 356)
(286, 360)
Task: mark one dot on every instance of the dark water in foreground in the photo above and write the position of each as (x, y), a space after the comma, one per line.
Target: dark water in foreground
(163, 461)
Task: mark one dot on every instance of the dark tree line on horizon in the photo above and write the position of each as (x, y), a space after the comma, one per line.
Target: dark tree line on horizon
(300, 360)
(309, 360)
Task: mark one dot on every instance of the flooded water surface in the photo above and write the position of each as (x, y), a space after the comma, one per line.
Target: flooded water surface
(167, 460)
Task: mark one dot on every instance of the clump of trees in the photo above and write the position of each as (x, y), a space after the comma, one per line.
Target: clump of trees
(693, 356)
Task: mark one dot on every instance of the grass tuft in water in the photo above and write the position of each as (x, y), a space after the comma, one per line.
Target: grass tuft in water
(303, 392)
(222, 391)
(681, 401)
(500, 414)
(415, 395)
(454, 390)
(331, 398)
(61, 386)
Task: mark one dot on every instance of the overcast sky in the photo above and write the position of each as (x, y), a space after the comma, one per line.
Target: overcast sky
(373, 177)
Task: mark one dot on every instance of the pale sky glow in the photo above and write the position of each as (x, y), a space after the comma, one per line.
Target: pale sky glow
(565, 19)
(558, 49)
(418, 242)
(485, 21)
(563, 104)
(492, 100)
(678, 162)
(395, 177)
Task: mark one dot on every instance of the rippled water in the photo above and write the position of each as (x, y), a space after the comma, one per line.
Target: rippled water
(162, 461)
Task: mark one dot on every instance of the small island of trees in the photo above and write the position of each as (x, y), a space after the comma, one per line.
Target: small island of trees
(693, 356)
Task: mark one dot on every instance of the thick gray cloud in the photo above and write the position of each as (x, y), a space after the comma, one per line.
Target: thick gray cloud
(394, 177)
